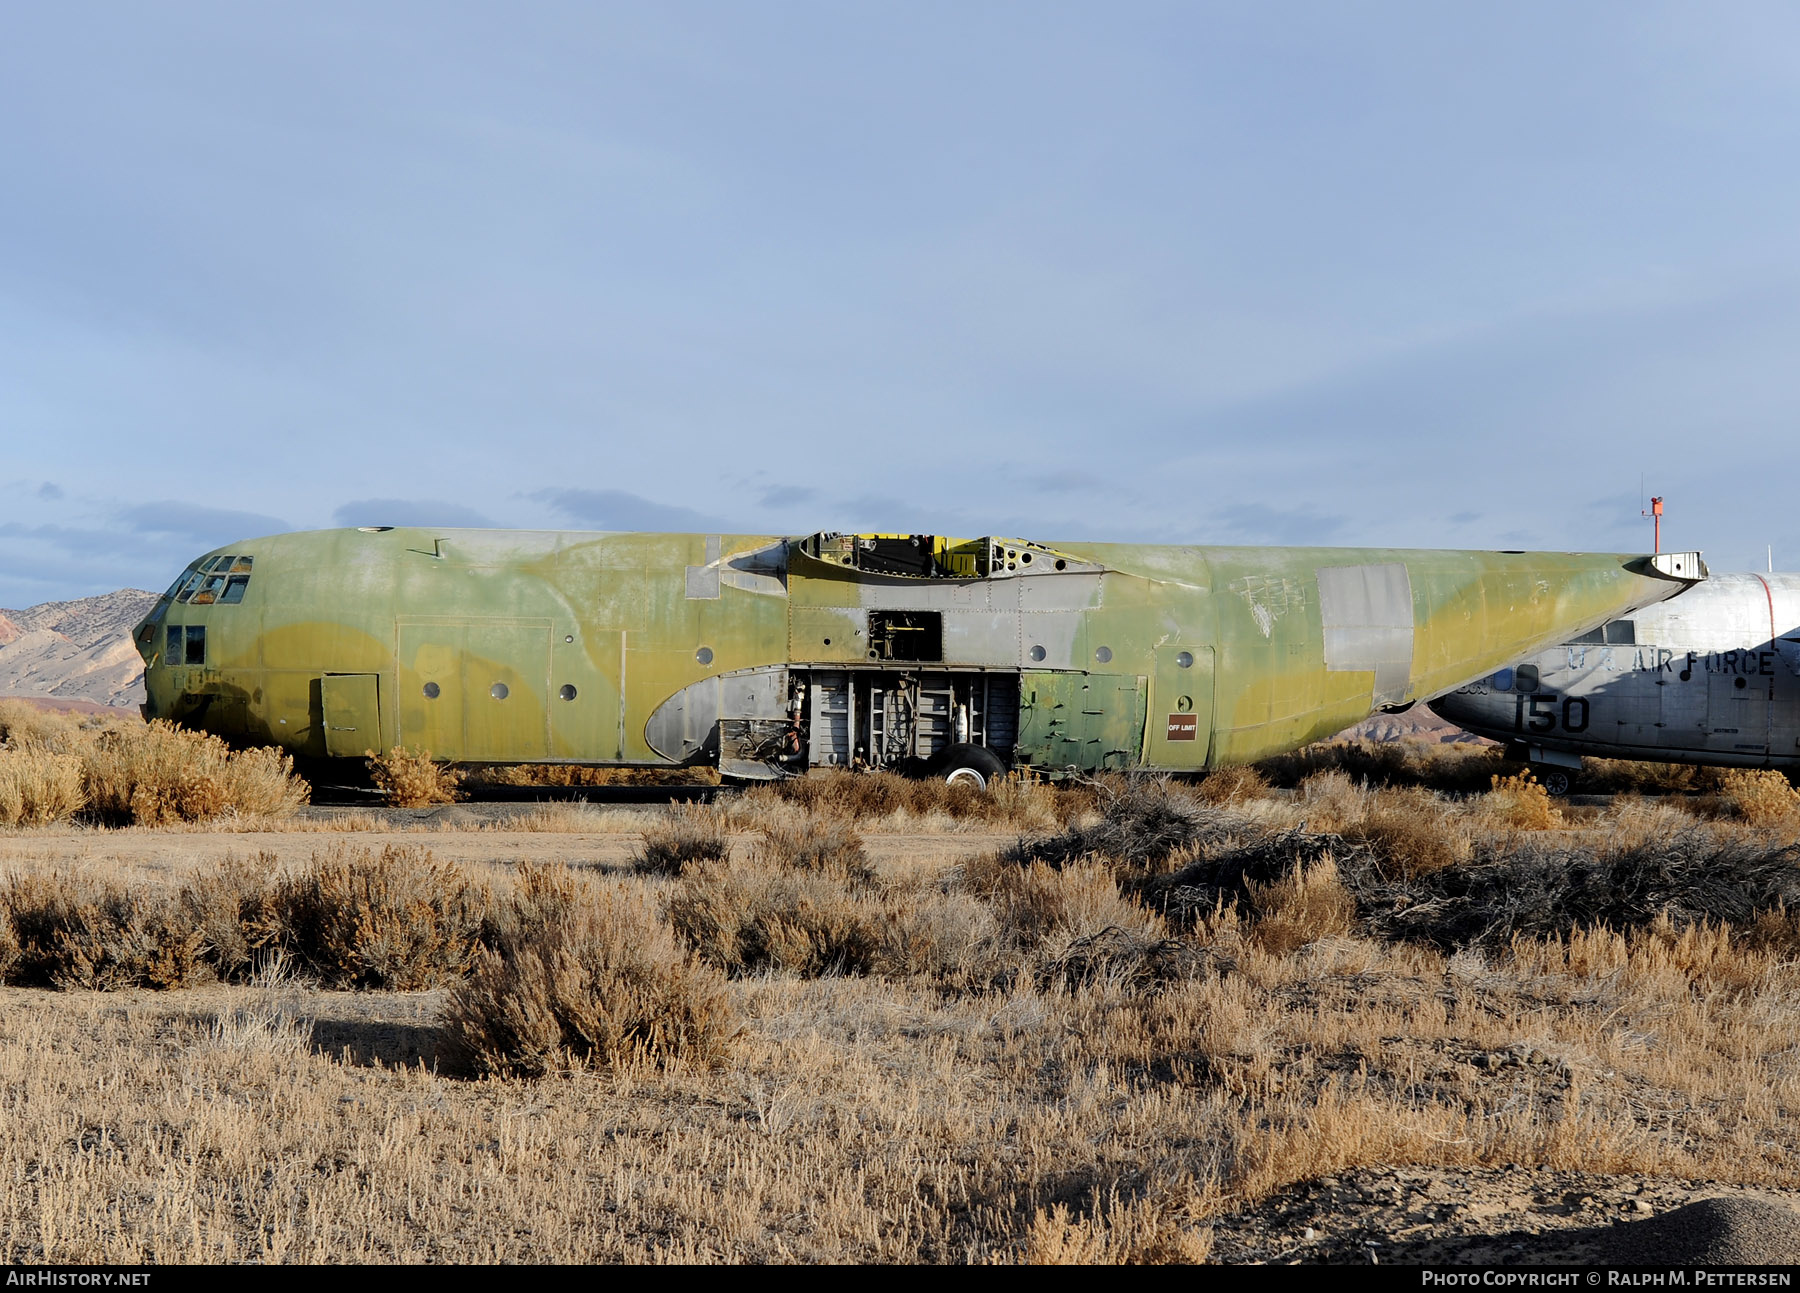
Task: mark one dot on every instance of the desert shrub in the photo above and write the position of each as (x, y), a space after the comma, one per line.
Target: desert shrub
(159, 773)
(1014, 800)
(1303, 906)
(1362, 762)
(1462, 767)
(1137, 1232)
(688, 836)
(1629, 776)
(1411, 832)
(1330, 800)
(412, 779)
(1761, 797)
(1232, 786)
(75, 933)
(38, 787)
(395, 919)
(828, 847)
(1144, 821)
(1224, 873)
(582, 977)
(1070, 924)
(233, 907)
(749, 916)
(9, 945)
(1521, 803)
(952, 938)
(1537, 888)
(24, 726)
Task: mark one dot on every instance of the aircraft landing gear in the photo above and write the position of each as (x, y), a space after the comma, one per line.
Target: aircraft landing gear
(970, 765)
(1556, 782)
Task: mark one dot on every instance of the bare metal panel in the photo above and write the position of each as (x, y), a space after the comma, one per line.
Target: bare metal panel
(978, 638)
(703, 581)
(829, 719)
(685, 723)
(1068, 592)
(1367, 616)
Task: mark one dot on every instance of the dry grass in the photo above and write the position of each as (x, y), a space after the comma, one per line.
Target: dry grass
(397, 918)
(1303, 906)
(412, 778)
(1096, 1046)
(900, 803)
(1762, 798)
(1521, 803)
(690, 835)
(38, 787)
(116, 771)
(584, 977)
(55, 767)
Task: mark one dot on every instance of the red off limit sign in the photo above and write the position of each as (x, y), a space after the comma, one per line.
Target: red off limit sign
(1184, 727)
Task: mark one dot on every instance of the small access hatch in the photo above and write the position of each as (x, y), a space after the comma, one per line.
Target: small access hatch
(352, 713)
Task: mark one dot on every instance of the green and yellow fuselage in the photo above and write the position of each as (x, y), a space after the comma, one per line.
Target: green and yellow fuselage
(771, 654)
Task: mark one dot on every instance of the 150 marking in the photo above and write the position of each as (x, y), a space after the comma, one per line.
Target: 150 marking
(1538, 713)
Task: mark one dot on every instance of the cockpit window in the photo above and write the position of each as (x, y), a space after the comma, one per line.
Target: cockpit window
(179, 581)
(221, 579)
(188, 585)
(187, 644)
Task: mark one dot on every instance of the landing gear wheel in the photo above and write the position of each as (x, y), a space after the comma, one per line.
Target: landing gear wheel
(1556, 782)
(970, 765)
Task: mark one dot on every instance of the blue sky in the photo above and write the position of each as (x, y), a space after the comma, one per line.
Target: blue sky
(1424, 275)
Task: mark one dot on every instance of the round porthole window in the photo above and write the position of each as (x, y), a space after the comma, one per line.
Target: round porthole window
(498, 691)
(1185, 660)
(1103, 654)
(704, 655)
(431, 691)
(1037, 653)
(567, 692)
(568, 637)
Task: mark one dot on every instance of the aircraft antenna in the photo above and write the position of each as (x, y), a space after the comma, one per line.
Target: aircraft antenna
(1655, 514)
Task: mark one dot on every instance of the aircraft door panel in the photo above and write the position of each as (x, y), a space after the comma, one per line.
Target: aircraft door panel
(1684, 709)
(1085, 720)
(350, 704)
(430, 688)
(475, 689)
(1737, 710)
(1179, 727)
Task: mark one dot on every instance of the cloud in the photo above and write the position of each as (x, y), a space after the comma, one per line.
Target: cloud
(206, 526)
(50, 490)
(615, 509)
(410, 511)
(788, 496)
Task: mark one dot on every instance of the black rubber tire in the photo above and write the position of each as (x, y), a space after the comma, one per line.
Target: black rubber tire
(1556, 782)
(973, 764)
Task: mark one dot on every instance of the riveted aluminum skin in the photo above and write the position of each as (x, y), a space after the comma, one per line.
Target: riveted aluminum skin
(1711, 677)
(531, 646)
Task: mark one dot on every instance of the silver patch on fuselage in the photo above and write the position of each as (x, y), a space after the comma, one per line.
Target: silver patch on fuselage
(1367, 615)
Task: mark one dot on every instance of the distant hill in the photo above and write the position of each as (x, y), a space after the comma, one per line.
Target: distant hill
(75, 651)
(1416, 724)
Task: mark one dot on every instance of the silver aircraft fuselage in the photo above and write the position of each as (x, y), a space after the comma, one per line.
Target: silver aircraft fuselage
(1711, 676)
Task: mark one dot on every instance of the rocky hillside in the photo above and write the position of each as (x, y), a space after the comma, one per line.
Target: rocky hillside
(79, 650)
